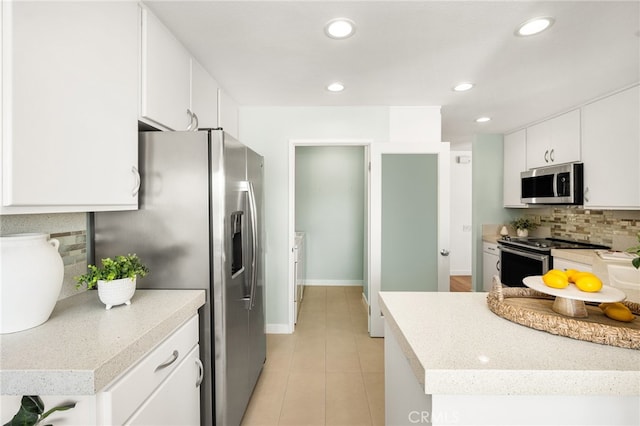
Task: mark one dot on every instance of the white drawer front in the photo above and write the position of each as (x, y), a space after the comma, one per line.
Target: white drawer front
(176, 402)
(129, 391)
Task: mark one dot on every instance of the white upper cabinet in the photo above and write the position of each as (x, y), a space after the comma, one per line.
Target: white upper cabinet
(611, 151)
(69, 114)
(204, 96)
(514, 163)
(227, 113)
(166, 76)
(554, 141)
(177, 93)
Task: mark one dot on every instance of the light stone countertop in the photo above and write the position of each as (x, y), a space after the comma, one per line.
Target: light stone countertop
(577, 255)
(457, 346)
(491, 238)
(83, 347)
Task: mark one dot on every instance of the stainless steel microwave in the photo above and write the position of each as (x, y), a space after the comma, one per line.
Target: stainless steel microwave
(560, 184)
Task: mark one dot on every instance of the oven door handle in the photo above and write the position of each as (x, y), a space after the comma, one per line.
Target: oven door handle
(534, 256)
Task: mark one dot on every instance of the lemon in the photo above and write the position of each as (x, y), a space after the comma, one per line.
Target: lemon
(618, 311)
(577, 274)
(588, 283)
(557, 271)
(570, 273)
(605, 305)
(555, 279)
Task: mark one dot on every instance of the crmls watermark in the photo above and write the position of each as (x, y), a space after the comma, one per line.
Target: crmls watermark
(427, 418)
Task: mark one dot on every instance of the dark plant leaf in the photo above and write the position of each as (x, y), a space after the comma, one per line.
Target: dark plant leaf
(32, 404)
(31, 409)
(23, 418)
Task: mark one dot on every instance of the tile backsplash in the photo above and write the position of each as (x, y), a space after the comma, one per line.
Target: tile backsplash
(615, 228)
(70, 229)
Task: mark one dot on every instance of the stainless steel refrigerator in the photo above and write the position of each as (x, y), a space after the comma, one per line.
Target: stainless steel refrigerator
(199, 226)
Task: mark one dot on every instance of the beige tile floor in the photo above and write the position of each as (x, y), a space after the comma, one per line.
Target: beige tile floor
(328, 372)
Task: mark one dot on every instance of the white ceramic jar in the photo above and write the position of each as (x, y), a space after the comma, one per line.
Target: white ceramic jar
(31, 275)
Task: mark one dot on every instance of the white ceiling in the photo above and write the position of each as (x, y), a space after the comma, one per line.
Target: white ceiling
(405, 53)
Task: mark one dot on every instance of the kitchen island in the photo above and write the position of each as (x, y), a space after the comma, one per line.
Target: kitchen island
(450, 360)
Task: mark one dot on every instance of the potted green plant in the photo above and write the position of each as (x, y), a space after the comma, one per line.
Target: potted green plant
(635, 250)
(115, 279)
(523, 225)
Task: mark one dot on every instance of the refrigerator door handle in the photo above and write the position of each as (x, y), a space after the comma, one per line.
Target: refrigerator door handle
(254, 244)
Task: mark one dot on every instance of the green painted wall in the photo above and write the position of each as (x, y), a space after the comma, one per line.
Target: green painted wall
(487, 199)
(330, 211)
(268, 131)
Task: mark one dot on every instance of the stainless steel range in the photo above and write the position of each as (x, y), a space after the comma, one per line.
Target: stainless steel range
(523, 257)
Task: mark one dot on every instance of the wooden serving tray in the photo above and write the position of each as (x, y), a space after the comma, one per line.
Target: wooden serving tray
(534, 309)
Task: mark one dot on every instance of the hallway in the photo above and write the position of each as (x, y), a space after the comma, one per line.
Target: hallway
(328, 372)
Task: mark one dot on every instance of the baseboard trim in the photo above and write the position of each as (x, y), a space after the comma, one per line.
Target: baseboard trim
(460, 273)
(278, 329)
(342, 283)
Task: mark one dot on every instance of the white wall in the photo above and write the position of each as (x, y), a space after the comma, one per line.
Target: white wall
(461, 236)
(268, 131)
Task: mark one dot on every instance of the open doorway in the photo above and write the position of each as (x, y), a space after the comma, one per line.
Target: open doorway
(329, 204)
(461, 219)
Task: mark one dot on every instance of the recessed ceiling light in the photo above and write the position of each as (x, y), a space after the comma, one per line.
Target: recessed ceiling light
(534, 26)
(335, 87)
(340, 28)
(462, 87)
(483, 119)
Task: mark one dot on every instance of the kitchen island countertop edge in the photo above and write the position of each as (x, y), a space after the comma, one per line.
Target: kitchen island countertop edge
(456, 346)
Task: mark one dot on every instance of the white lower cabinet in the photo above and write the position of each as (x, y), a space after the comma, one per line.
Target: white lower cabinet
(162, 388)
(298, 272)
(564, 264)
(144, 393)
(177, 400)
(490, 264)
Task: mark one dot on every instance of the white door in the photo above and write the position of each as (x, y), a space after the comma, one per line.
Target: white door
(409, 221)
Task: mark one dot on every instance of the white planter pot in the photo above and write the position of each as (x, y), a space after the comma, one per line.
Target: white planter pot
(32, 272)
(522, 232)
(116, 292)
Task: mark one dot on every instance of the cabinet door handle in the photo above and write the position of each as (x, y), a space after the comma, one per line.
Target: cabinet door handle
(195, 117)
(546, 156)
(586, 193)
(190, 126)
(136, 186)
(173, 358)
(551, 155)
(498, 265)
(200, 372)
